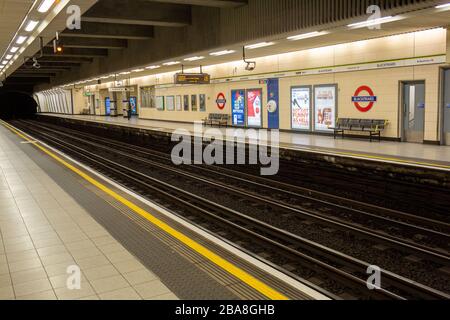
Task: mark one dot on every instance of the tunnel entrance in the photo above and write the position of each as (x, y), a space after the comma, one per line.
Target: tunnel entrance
(16, 105)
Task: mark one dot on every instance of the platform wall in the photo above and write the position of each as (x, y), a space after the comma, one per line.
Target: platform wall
(384, 82)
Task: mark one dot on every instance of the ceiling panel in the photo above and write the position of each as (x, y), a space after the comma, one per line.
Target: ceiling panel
(12, 13)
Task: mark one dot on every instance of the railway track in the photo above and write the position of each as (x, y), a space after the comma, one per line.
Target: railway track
(339, 273)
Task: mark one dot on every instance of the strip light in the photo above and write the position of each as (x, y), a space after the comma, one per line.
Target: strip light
(45, 5)
(442, 6)
(259, 45)
(153, 67)
(21, 39)
(31, 25)
(194, 58)
(222, 53)
(172, 63)
(307, 35)
(369, 23)
(14, 49)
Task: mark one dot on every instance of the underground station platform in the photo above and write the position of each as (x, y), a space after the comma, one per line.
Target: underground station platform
(225, 159)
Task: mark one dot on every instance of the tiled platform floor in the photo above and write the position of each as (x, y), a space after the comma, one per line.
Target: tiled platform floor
(402, 151)
(43, 231)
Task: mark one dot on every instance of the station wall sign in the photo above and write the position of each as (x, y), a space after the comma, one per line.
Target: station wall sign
(359, 98)
(221, 101)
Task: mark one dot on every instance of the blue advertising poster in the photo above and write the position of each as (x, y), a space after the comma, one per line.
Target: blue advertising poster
(238, 107)
(272, 104)
(133, 103)
(108, 106)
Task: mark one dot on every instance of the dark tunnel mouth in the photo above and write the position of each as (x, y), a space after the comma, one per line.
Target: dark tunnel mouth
(17, 105)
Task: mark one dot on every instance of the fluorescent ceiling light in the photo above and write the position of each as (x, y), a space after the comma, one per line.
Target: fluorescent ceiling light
(194, 58)
(4, 62)
(369, 23)
(31, 25)
(441, 6)
(153, 67)
(307, 35)
(45, 5)
(222, 53)
(9, 56)
(21, 39)
(1, 67)
(138, 70)
(14, 49)
(172, 63)
(125, 72)
(259, 45)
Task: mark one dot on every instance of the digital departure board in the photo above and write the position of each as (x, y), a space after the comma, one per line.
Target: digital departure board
(192, 78)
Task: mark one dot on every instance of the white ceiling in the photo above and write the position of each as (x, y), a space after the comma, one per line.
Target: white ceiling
(12, 13)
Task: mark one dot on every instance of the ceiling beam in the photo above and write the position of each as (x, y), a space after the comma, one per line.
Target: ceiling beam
(110, 31)
(77, 52)
(31, 75)
(43, 69)
(207, 3)
(94, 43)
(62, 59)
(138, 12)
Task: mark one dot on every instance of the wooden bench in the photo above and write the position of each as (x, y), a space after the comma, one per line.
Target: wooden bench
(372, 126)
(218, 119)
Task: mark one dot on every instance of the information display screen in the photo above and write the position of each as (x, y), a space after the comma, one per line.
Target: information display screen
(254, 108)
(301, 108)
(238, 107)
(324, 107)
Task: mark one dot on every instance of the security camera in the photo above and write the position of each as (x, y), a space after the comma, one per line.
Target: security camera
(250, 66)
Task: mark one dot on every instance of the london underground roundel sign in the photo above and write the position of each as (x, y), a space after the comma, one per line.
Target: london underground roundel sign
(364, 95)
(221, 101)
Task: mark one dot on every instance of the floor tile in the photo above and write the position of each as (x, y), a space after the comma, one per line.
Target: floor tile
(140, 276)
(109, 284)
(31, 287)
(151, 289)
(121, 294)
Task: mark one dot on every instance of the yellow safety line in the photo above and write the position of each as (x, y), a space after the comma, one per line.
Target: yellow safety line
(216, 259)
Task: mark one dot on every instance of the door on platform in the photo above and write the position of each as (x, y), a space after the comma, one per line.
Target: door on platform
(446, 127)
(413, 111)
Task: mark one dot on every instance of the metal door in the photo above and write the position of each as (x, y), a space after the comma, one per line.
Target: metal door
(446, 133)
(413, 112)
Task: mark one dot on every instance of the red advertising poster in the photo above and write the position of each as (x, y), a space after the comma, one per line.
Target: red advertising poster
(254, 108)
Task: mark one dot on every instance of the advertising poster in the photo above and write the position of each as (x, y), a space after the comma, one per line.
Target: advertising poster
(238, 107)
(254, 108)
(301, 108)
(178, 103)
(108, 106)
(324, 107)
(186, 102)
(202, 102)
(160, 103)
(133, 104)
(194, 102)
(170, 103)
(273, 111)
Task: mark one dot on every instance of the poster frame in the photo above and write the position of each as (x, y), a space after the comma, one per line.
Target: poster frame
(311, 108)
(163, 99)
(336, 110)
(178, 103)
(170, 103)
(262, 108)
(245, 108)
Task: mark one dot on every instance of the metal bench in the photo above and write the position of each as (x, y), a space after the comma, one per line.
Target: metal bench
(218, 119)
(372, 126)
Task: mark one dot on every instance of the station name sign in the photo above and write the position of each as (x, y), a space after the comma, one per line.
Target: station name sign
(192, 78)
(122, 89)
